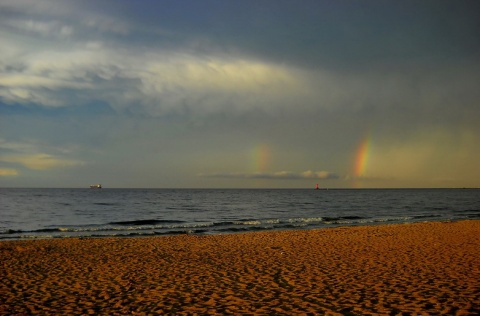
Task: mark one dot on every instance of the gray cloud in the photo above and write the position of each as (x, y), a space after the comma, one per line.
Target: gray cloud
(284, 175)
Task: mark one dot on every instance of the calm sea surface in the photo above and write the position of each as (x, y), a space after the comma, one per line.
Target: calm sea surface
(50, 213)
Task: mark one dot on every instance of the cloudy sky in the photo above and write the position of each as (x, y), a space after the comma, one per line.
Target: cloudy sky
(230, 94)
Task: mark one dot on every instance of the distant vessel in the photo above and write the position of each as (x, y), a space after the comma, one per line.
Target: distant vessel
(96, 186)
(316, 187)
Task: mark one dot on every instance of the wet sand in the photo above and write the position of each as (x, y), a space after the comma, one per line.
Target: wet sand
(414, 269)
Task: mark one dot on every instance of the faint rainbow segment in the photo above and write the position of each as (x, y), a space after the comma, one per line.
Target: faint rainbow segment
(260, 157)
(361, 157)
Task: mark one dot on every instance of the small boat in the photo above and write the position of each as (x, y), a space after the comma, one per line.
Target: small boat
(96, 186)
(317, 188)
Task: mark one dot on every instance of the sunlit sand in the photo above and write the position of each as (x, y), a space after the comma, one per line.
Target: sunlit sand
(409, 269)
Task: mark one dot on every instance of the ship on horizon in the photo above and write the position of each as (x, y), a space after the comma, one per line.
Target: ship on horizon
(96, 186)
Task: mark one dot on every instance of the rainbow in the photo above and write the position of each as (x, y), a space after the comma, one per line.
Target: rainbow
(361, 157)
(260, 157)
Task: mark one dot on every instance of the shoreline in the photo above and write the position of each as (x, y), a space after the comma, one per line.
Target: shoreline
(415, 268)
(233, 232)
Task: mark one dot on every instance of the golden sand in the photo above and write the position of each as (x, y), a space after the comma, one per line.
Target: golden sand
(411, 269)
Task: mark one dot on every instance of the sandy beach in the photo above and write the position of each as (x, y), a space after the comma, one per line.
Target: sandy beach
(409, 269)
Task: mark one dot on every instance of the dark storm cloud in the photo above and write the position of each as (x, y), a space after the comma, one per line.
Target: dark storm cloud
(325, 34)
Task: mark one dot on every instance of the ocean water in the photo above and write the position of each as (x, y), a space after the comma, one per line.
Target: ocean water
(53, 213)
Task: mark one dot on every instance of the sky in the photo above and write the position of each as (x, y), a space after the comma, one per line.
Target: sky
(240, 94)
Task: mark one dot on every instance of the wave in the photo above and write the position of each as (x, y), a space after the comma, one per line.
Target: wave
(146, 222)
(468, 211)
(10, 231)
(425, 216)
(150, 224)
(329, 219)
(48, 230)
(149, 227)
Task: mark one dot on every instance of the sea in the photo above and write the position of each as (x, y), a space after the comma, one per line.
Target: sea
(64, 213)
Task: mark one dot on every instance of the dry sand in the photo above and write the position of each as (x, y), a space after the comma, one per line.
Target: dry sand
(414, 269)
